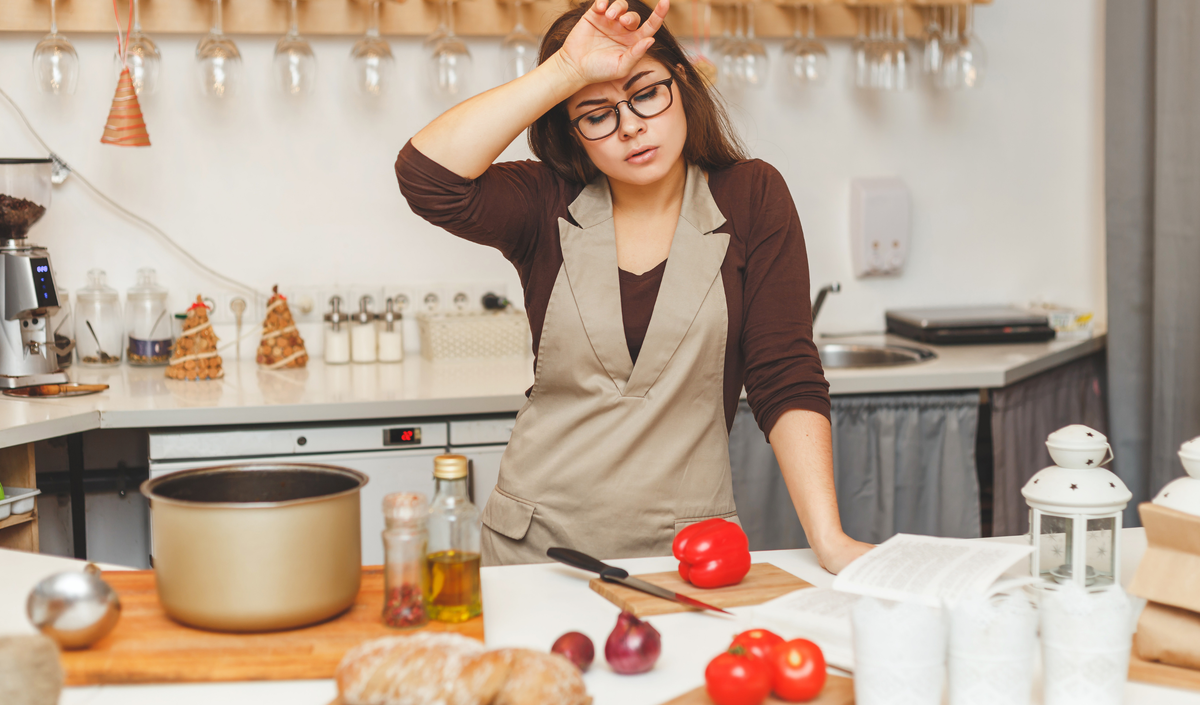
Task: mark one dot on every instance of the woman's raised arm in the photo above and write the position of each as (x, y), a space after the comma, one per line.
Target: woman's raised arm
(603, 46)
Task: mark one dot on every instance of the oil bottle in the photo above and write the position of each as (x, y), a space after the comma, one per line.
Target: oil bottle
(453, 562)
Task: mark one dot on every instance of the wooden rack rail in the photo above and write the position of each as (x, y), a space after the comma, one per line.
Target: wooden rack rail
(834, 18)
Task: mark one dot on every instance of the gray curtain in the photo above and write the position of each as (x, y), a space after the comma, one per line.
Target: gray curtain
(1023, 414)
(903, 463)
(1152, 179)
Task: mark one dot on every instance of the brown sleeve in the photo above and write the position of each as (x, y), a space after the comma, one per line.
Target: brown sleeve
(500, 209)
(783, 370)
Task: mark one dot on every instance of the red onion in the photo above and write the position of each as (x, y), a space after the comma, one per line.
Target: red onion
(577, 648)
(633, 646)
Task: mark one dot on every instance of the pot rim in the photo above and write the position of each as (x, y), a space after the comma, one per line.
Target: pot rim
(148, 487)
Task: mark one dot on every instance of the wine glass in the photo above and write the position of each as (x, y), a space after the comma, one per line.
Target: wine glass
(55, 62)
(450, 64)
(934, 43)
(295, 63)
(753, 55)
(519, 48)
(972, 59)
(372, 58)
(728, 45)
(809, 59)
(219, 61)
(903, 74)
(141, 56)
(861, 48)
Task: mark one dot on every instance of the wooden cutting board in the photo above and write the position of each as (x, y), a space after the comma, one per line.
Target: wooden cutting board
(1162, 673)
(148, 647)
(763, 582)
(837, 691)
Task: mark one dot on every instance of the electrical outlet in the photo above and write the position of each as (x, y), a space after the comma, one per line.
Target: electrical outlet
(403, 300)
(304, 302)
(478, 291)
(431, 298)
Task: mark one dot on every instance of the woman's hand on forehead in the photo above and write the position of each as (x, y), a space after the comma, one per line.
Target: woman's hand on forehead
(610, 39)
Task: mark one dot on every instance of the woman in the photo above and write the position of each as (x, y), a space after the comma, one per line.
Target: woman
(661, 270)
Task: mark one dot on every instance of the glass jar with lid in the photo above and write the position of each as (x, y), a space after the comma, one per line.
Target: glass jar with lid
(405, 574)
(147, 322)
(61, 334)
(99, 335)
(454, 592)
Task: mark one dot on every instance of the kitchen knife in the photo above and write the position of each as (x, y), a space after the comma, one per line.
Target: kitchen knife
(613, 574)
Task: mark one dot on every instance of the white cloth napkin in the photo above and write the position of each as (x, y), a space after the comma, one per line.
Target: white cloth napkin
(899, 653)
(1086, 638)
(993, 641)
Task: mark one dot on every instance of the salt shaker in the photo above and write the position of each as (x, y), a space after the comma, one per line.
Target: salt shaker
(337, 336)
(391, 337)
(405, 542)
(362, 333)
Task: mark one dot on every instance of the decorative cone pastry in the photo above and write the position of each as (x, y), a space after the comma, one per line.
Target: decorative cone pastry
(281, 344)
(125, 127)
(195, 356)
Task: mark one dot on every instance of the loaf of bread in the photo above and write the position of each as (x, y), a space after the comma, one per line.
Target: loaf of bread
(538, 678)
(435, 668)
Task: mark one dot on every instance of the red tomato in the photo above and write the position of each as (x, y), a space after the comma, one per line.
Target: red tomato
(797, 670)
(737, 678)
(757, 642)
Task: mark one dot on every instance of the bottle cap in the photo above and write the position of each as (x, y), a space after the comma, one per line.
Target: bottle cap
(405, 508)
(450, 467)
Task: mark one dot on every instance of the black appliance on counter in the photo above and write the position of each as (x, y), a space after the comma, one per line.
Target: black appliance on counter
(969, 325)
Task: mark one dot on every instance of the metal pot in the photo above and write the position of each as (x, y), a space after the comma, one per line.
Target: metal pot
(256, 547)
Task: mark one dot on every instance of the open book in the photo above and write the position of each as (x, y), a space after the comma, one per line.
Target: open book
(904, 568)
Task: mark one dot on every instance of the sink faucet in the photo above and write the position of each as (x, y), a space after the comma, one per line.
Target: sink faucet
(835, 287)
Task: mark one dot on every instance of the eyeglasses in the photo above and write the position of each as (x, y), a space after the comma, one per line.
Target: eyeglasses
(646, 103)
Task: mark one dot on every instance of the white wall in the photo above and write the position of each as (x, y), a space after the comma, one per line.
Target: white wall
(1007, 180)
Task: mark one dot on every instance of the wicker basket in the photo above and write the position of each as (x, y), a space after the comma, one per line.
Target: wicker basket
(459, 335)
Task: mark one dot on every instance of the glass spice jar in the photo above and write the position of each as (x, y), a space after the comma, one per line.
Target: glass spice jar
(405, 572)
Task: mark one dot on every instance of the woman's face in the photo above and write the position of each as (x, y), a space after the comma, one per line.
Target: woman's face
(642, 150)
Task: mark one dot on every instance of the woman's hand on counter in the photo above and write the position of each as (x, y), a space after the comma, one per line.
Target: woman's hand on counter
(803, 445)
(835, 555)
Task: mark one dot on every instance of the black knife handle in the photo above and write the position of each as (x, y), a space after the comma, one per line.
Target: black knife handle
(583, 561)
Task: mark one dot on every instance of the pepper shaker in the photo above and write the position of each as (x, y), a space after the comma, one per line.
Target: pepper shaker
(405, 575)
(362, 332)
(337, 336)
(391, 337)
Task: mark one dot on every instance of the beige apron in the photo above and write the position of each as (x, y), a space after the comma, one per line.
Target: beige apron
(608, 457)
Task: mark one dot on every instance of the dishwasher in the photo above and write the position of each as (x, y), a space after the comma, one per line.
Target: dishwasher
(397, 456)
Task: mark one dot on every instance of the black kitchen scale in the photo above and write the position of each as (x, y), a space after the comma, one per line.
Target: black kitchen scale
(970, 325)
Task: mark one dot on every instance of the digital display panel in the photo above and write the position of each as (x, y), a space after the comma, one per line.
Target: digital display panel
(43, 282)
(402, 436)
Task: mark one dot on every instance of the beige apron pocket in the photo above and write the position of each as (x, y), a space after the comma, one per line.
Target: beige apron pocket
(681, 524)
(507, 515)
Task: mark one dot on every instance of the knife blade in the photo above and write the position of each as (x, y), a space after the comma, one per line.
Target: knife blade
(613, 574)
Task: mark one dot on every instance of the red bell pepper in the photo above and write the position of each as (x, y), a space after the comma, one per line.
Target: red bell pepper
(712, 553)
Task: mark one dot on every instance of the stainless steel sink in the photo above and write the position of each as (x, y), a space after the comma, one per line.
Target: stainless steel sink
(838, 355)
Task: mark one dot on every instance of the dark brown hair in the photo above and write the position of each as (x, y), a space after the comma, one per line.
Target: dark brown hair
(711, 141)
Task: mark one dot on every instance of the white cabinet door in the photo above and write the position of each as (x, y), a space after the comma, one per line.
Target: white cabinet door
(389, 471)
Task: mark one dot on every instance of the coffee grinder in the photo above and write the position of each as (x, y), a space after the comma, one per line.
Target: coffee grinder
(27, 293)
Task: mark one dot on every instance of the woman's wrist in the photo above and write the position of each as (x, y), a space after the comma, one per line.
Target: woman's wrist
(564, 76)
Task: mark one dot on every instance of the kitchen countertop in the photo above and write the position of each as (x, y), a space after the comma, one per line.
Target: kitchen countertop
(526, 606)
(142, 397)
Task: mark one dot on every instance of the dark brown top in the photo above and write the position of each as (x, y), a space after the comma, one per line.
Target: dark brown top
(515, 206)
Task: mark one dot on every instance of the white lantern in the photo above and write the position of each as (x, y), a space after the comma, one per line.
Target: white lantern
(1183, 494)
(1075, 512)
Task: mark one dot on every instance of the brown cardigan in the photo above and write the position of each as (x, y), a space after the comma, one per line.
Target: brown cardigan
(515, 206)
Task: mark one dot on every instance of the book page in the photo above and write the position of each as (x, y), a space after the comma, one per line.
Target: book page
(821, 615)
(929, 569)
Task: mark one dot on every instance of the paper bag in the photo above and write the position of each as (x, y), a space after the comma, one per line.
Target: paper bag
(1169, 573)
(1168, 634)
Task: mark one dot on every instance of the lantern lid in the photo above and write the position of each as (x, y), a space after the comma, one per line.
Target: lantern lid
(1182, 494)
(1076, 491)
(1077, 436)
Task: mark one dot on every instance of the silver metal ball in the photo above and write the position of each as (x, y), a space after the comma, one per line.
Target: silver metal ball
(75, 609)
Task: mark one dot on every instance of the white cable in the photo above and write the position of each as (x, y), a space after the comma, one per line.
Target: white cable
(131, 215)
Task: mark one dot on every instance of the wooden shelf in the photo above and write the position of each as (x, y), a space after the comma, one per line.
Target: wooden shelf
(19, 531)
(18, 519)
(834, 18)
